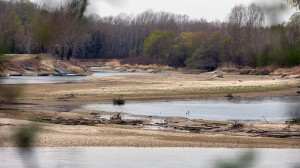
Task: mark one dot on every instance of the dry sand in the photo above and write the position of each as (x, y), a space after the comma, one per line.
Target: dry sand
(53, 135)
(165, 86)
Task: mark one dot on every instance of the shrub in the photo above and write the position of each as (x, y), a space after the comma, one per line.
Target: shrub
(206, 59)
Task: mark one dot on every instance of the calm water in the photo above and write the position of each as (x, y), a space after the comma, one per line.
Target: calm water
(275, 109)
(117, 157)
(60, 79)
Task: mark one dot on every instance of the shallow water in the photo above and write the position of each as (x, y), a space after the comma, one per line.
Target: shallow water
(118, 157)
(60, 79)
(275, 109)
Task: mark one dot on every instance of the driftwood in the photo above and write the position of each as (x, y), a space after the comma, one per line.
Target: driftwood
(265, 120)
(71, 121)
(237, 125)
(116, 117)
(281, 134)
(216, 76)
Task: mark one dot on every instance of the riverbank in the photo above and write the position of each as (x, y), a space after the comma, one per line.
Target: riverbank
(161, 86)
(55, 135)
(74, 126)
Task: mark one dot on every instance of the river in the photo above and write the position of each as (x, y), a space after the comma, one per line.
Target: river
(61, 79)
(120, 157)
(272, 109)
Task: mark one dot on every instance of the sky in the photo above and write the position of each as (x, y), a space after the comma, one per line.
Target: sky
(210, 10)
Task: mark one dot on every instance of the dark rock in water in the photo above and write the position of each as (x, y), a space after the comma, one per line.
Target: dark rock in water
(118, 101)
(229, 95)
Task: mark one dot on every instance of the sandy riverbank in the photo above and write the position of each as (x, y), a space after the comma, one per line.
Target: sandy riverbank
(54, 97)
(53, 135)
(163, 86)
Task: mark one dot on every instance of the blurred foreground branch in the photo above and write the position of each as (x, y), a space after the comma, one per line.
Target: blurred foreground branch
(294, 3)
(244, 161)
(26, 135)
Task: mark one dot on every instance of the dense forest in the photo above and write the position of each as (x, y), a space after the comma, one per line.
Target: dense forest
(149, 37)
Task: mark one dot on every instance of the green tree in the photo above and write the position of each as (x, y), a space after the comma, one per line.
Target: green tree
(189, 42)
(13, 33)
(228, 50)
(25, 11)
(159, 44)
(40, 31)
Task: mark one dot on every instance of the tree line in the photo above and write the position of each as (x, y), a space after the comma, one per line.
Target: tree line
(160, 37)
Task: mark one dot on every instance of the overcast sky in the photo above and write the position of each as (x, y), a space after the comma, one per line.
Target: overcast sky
(208, 9)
